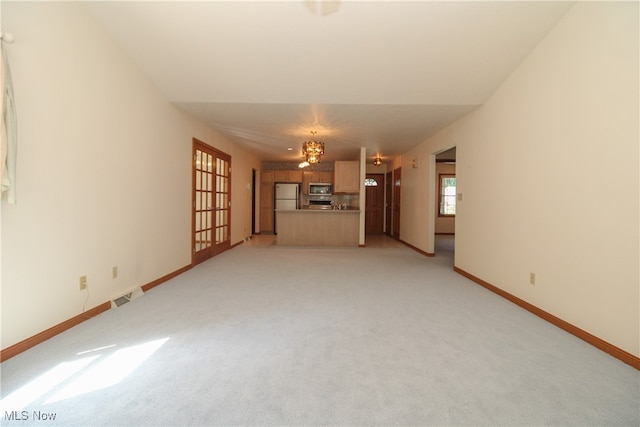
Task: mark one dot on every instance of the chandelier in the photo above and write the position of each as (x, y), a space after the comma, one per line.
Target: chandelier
(312, 150)
(377, 161)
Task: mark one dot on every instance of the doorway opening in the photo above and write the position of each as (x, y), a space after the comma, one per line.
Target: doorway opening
(445, 203)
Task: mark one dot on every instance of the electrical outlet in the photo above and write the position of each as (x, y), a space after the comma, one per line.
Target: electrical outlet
(532, 278)
(83, 283)
(114, 272)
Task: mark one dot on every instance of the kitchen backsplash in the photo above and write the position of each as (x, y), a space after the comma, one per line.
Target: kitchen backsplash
(350, 200)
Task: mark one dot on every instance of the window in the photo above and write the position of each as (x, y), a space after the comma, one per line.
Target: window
(447, 195)
(370, 182)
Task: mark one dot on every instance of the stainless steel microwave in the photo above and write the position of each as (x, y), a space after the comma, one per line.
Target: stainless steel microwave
(320, 189)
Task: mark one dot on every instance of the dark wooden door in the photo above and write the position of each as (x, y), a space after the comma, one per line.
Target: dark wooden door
(395, 232)
(374, 199)
(211, 212)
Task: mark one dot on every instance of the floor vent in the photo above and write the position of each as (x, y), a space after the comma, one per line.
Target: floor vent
(125, 298)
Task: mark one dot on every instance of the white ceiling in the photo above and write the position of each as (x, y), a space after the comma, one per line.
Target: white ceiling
(385, 75)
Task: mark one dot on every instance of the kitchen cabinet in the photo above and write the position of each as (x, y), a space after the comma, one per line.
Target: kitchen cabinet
(266, 201)
(266, 177)
(266, 220)
(295, 176)
(346, 177)
(306, 179)
(325, 177)
(287, 176)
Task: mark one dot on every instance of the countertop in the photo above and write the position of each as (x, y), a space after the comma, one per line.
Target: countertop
(306, 210)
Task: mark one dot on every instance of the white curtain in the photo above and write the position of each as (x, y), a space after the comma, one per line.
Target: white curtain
(8, 132)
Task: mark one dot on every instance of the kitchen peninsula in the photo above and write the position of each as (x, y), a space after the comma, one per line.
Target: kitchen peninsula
(318, 227)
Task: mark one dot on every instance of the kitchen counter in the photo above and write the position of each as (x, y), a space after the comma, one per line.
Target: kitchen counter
(318, 227)
(328, 210)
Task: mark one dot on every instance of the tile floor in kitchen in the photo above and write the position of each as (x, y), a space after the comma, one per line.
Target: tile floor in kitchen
(443, 242)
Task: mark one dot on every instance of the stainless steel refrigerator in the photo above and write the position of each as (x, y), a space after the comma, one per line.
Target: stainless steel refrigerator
(287, 198)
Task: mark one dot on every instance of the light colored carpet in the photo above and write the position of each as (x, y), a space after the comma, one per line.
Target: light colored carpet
(268, 335)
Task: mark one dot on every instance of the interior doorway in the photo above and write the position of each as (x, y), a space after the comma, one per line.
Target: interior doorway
(446, 197)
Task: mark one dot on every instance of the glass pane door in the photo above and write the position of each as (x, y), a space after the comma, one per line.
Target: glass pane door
(223, 204)
(211, 214)
(202, 204)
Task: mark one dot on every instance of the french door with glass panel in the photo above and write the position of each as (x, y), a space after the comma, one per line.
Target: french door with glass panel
(211, 215)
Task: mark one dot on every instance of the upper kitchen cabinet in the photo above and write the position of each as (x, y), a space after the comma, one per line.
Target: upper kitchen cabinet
(288, 176)
(295, 176)
(325, 177)
(346, 177)
(267, 177)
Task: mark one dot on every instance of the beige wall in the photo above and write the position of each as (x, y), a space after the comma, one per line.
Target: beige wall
(100, 181)
(548, 169)
(104, 172)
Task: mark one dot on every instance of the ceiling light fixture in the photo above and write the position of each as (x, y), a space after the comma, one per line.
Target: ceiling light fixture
(377, 161)
(312, 150)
